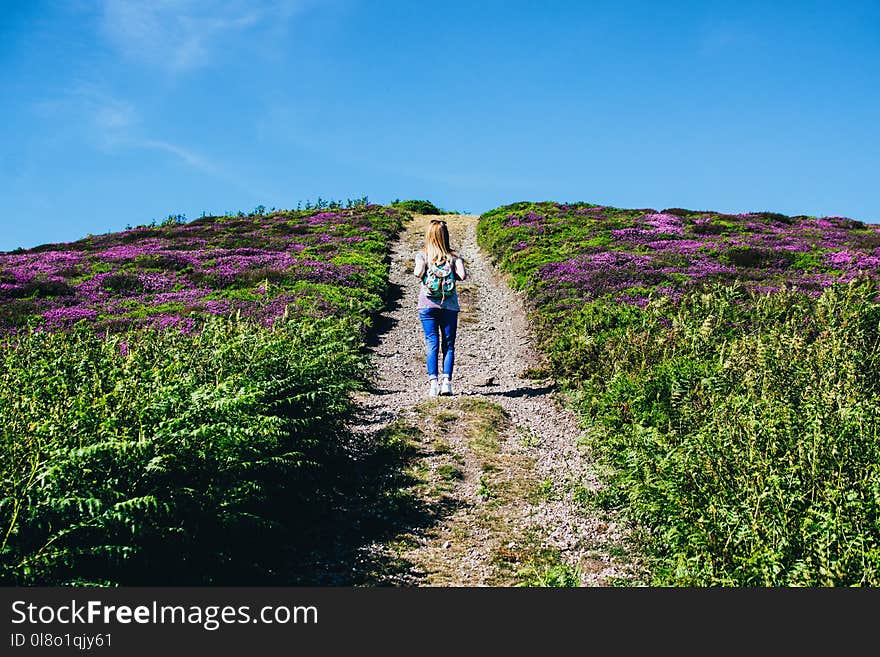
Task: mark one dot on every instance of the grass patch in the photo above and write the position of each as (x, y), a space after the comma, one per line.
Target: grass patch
(535, 373)
(445, 418)
(449, 472)
(527, 437)
(401, 437)
(549, 571)
(545, 490)
(484, 489)
(441, 447)
(485, 420)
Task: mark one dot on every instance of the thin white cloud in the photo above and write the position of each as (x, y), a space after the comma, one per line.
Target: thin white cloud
(189, 158)
(112, 125)
(115, 124)
(114, 116)
(183, 35)
(182, 154)
(87, 110)
(281, 123)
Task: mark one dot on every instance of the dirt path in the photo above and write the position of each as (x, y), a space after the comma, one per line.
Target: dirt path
(499, 463)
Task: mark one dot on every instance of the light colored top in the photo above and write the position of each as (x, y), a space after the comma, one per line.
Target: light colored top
(450, 302)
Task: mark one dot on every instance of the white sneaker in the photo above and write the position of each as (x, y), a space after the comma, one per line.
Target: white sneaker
(446, 386)
(433, 388)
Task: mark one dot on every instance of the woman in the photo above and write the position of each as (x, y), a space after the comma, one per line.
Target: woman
(438, 309)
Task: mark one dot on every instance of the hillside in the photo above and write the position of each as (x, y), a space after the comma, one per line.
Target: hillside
(173, 398)
(170, 275)
(567, 253)
(726, 369)
(674, 397)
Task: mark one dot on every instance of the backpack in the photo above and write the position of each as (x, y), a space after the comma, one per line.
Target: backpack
(439, 281)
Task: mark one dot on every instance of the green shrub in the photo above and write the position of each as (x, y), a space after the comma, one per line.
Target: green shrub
(417, 207)
(752, 455)
(158, 457)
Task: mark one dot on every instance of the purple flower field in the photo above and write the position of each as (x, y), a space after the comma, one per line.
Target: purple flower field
(565, 254)
(259, 266)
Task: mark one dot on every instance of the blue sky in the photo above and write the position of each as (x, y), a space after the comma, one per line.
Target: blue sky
(118, 112)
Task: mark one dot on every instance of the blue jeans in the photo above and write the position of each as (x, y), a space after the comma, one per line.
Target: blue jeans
(439, 325)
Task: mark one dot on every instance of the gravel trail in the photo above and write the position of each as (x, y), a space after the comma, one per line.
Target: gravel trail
(495, 353)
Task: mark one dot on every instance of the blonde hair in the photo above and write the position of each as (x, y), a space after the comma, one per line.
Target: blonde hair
(437, 247)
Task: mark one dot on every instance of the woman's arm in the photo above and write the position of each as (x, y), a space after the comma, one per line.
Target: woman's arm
(460, 271)
(419, 269)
